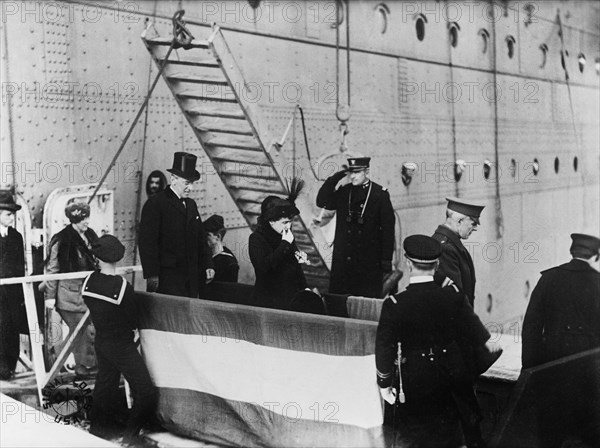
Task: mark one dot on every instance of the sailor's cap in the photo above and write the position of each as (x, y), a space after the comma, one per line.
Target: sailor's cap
(422, 249)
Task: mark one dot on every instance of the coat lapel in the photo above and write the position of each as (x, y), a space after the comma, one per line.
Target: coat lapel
(174, 200)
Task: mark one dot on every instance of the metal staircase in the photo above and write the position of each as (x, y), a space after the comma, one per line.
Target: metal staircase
(207, 83)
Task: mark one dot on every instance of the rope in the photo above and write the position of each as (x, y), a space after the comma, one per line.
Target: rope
(180, 37)
(11, 136)
(497, 202)
(306, 144)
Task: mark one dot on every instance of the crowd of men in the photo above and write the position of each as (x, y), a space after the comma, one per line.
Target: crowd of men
(430, 348)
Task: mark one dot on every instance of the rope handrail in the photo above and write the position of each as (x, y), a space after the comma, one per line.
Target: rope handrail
(67, 276)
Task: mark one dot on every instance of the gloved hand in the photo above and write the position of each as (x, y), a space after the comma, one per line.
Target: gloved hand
(152, 283)
(210, 275)
(386, 266)
(388, 394)
(340, 175)
(288, 236)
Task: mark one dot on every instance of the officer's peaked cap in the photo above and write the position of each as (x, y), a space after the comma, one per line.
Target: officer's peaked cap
(108, 248)
(422, 248)
(585, 244)
(467, 208)
(358, 163)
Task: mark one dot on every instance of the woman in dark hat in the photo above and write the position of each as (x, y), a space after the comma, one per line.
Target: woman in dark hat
(70, 251)
(12, 264)
(273, 253)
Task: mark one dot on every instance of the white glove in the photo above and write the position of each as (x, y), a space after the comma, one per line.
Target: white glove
(388, 394)
(210, 275)
(288, 236)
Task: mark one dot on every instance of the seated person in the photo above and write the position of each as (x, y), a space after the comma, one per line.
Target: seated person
(226, 265)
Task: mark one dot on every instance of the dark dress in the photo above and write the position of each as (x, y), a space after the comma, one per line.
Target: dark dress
(112, 306)
(226, 267)
(428, 321)
(12, 307)
(456, 262)
(278, 273)
(362, 249)
(173, 245)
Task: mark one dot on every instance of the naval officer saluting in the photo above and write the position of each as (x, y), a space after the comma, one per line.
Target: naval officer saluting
(364, 232)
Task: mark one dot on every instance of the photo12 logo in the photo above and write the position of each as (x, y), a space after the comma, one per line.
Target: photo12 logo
(69, 400)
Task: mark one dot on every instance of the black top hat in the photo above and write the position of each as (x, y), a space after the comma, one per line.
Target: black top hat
(470, 209)
(422, 248)
(184, 165)
(585, 245)
(358, 163)
(7, 201)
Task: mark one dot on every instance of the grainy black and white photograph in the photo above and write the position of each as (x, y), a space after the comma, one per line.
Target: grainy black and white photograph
(300, 223)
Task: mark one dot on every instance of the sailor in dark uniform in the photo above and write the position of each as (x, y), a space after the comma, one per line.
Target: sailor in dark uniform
(226, 265)
(462, 219)
(111, 301)
(427, 321)
(562, 319)
(364, 233)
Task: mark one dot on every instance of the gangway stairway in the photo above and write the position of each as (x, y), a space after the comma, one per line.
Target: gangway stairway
(210, 90)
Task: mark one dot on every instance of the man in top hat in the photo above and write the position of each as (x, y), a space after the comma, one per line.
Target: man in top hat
(364, 233)
(112, 304)
(226, 265)
(562, 319)
(456, 264)
(12, 264)
(428, 321)
(172, 240)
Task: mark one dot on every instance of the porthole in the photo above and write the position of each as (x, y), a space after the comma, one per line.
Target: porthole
(487, 169)
(535, 167)
(485, 38)
(556, 165)
(527, 289)
(581, 60)
(575, 163)
(254, 3)
(597, 66)
(382, 12)
(510, 46)
(490, 303)
(459, 169)
(339, 6)
(453, 29)
(420, 22)
(544, 50)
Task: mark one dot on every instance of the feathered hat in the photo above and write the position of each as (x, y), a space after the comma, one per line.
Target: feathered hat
(273, 208)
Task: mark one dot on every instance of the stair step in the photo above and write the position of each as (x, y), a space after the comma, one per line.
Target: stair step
(234, 115)
(250, 196)
(197, 80)
(257, 186)
(233, 145)
(250, 175)
(238, 156)
(225, 131)
(167, 42)
(200, 95)
(206, 64)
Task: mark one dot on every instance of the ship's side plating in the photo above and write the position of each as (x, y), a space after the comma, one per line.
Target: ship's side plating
(429, 83)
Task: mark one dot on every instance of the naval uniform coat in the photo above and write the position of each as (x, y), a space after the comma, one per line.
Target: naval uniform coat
(563, 315)
(173, 244)
(360, 251)
(455, 262)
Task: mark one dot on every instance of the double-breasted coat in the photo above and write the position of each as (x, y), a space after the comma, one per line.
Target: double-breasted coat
(563, 315)
(364, 245)
(173, 245)
(455, 262)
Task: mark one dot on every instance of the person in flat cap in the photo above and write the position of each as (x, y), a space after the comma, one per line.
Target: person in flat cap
(12, 305)
(112, 305)
(563, 319)
(172, 240)
(428, 321)
(456, 264)
(226, 265)
(70, 251)
(364, 233)
(274, 254)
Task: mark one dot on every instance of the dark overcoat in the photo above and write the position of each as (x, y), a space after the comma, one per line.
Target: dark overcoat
(563, 315)
(456, 262)
(360, 250)
(12, 307)
(279, 276)
(173, 245)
